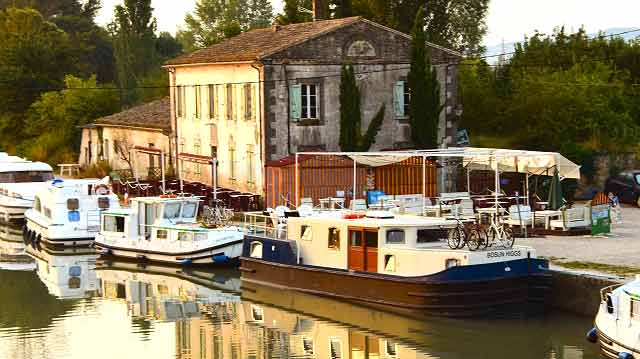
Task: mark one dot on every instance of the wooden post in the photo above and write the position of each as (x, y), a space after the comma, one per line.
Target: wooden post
(297, 179)
(424, 183)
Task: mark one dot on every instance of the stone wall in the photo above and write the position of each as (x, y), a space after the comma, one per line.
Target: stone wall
(606, 164)
(576, 293)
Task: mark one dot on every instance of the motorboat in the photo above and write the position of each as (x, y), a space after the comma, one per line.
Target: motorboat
(20, 179)
(401, 262)
(165, 229)
(67, 212)
(617, 324)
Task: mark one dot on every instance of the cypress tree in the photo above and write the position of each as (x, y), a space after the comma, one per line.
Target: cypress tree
(351, 138)
(424, 104)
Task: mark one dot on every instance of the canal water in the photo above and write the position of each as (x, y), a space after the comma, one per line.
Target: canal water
(73, 305)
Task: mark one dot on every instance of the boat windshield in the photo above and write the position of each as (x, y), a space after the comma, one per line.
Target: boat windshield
(25, 176)
(189, 210)
(172, 210)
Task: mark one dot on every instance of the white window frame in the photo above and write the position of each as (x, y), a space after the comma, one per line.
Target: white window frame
(305, 101)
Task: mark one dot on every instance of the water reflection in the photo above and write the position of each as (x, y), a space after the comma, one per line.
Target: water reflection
(75, 306)
(12, 250)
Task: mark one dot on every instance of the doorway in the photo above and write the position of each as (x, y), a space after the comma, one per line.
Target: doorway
(363, 249)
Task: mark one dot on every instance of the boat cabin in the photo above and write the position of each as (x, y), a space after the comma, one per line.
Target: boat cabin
(378, 242)
(152, 217)
(73, 203)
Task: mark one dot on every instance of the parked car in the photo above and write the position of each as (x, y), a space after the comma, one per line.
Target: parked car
(625, 185)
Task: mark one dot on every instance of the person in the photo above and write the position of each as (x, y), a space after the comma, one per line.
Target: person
(616, 210)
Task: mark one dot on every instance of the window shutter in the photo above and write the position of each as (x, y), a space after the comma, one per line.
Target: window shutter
(254, 103)
(295, 99)
(229, 101)
(243, 102)
(398, 99)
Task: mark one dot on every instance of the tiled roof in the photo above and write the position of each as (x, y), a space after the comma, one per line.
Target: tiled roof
(255, 44)
(156, 115)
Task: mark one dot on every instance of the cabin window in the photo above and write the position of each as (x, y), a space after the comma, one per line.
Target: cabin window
(74, 282)
(257, 313)
(371, 239)
(391, 348)
(75, 271)
(189, 210)
(609, 304)
(355, 239)
(185, 236)
(36, 205)
(635, 308)
(162, 234)
(427, 236)
(256, 250)
(307, 345)
(172, 210)
(103, 202)
(451, 262)
(389, 263)
(73, 216)
(334, 238)
(305, 232)
(395, 236)
(73, 204)
(336, 348)
(47, 212)
(114, 224)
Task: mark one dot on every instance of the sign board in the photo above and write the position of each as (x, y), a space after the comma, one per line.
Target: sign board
(600, 214)
(462, 138)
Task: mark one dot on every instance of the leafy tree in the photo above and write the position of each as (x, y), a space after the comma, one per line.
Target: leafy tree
(351, 138)
(424, 104)
(291, 12)
(34, 56)
(133, 31)
(215, 20)
(54, 120)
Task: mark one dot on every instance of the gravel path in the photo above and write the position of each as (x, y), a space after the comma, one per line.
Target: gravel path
(621, 248)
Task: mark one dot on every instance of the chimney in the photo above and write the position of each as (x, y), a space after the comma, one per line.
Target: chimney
(320, 9)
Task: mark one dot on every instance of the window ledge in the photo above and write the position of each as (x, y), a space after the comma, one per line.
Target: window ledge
(310, 122)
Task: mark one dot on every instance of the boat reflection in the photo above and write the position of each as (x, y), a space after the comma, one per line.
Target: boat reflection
(67, 274)
(167, 293)
(12, 250)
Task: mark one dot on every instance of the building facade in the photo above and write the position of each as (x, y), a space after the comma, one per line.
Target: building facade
(269, 93)
(130, 141)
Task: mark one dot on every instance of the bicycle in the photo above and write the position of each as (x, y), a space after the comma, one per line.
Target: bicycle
(217, 215)
(498, 233)
(469, 234)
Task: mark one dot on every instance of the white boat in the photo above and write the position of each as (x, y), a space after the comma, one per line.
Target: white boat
(67, 212)
(68, 275)
(164, 229)
(617, 324)
(20, 179)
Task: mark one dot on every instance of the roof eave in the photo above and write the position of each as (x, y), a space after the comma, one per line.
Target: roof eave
(169, 66)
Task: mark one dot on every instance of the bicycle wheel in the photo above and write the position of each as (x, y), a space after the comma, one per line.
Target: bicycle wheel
(474, 240)
(509, 238)
(484, 235)
(453, 238)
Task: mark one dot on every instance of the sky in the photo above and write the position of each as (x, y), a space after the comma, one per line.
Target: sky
(508, 20)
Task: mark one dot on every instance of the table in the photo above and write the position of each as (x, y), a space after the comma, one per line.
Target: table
(382, 206)
(71, 168)
(546, 216)
(331, 202)
(438, 209)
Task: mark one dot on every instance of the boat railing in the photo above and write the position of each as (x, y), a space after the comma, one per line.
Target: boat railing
(260, 224)
(607, 290)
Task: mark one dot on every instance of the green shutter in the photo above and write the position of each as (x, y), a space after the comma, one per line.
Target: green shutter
(398, 99)
(295, 98)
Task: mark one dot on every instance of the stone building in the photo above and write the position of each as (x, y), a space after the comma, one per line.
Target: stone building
(269, 93)
(136, 135)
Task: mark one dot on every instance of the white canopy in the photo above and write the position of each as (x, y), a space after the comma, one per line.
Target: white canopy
(533, 162)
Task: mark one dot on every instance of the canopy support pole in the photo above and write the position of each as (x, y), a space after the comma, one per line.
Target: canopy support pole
(424, 183)
(497, 187)
(162, 170)
(297, 179)
(355, 177)
(181, 166)
(214, 179)
(468, 180)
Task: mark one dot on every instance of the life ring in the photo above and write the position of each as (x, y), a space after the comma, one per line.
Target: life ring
(353, 216)
(101, 189)
(168, 196)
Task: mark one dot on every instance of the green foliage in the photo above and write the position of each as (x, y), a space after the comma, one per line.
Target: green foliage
(424, 105)
(215, 20)
(133, 31)
(561, 93)
(291, 13)
(53, 123)
(96, 170)
(34, 56)
(351, 138)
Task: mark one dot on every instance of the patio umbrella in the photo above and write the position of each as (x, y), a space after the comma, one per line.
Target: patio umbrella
(555, 193)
